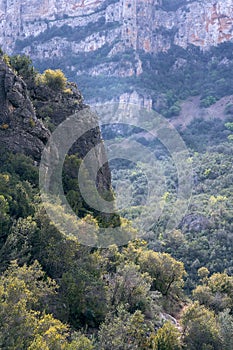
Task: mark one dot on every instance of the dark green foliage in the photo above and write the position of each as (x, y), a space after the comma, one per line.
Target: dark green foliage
(229, 109)
(94, 285)
(201, 134)
(84, 294)
(200, 73)
(207, 101)
(22, 64)
(18, 176)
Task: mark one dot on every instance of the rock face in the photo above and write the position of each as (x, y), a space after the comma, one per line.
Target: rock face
(20, 129)
(22, 132)
(54, 29)
(55, 106)
(137, 23)
(96, 42)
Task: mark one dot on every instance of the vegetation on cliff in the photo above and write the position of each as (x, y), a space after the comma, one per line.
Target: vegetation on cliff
(171, 292)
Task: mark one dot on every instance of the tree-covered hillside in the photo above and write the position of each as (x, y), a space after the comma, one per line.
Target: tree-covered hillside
(167, 77)
(163, 292)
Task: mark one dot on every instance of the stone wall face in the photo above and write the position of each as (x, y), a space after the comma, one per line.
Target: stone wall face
(52, 29)
(110, 38)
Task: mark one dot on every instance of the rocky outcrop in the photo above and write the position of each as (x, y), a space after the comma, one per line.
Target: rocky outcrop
(55, 106)
(20, 129)
(22, 111)
(195, 223)
(135, 98)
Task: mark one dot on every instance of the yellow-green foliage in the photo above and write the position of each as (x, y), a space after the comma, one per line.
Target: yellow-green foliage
(201, 330)
(32, 122)
(80, 342)
(168, 338)
(167, 272)
(126, 331)
(6, 59)
(4, 126)
(229, 126)
(215, 292)
(68, 91)
(22, 326)
(55, 79)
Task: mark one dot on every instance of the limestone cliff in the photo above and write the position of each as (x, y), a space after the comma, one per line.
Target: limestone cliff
(48, 28)
(109, 38)
(135, 24)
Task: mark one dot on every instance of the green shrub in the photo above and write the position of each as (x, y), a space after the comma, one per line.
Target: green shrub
(229, 126)
(208, 101)
(228, 109)
(23, 66)
(6, 59)
(55, 79)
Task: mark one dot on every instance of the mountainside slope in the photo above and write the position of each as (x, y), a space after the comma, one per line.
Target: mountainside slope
(101, 39)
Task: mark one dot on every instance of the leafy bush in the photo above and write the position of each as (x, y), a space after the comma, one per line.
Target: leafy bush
(6, 59)
(168, 338)
(229, 109)
(23, 66)
(208, 101)
(55, 79)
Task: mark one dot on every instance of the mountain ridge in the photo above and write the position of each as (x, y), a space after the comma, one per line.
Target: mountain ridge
(105, 39)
